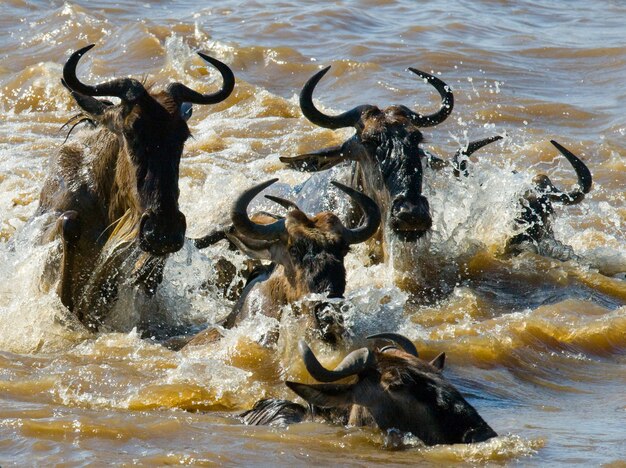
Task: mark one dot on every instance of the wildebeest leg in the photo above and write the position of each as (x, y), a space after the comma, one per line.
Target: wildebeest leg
(329, 321)
(435, 162)
(226, 271)
(258, 275)
(205, 337)
(69, 225)
(553, 248)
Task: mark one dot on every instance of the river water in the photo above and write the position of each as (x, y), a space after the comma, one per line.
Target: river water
(536, 345)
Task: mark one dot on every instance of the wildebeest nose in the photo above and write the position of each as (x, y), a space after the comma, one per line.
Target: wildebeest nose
(410, 215)
(162, 234)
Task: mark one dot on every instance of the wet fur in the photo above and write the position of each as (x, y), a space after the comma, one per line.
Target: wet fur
(308, 260)
(388, 156)
(400, 392)
(100, 178)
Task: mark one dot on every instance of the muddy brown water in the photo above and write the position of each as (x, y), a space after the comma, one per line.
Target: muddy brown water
(537, 346)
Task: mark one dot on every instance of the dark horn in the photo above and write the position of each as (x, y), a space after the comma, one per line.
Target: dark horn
(354, 363)
(127, 89)
(584, 179)
(182, 93)
(447, 101)
(243, 224)
(402, 341)
(460, 167)
(347, 119)
(287, 204)
(370, 210)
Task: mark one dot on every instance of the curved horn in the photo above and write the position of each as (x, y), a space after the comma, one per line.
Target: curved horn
(371, 211)
(447, 101)
(354, 363)
(584, 179)
(182, 93)
(460, 167)
(287, 204)
(243, 224)
(402, 341)
(127, 89)
(347, 119)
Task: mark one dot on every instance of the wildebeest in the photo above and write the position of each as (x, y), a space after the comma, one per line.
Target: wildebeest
(388, 156)
(394, 389)
(307, 253)
(114, 193)
(537, 210)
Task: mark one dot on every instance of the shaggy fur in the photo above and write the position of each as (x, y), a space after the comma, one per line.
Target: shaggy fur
(308, 260)
(102, 184)
(386, 148)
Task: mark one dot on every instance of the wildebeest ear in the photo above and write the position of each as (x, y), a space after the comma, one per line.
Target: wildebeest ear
(439, 361)
(433, 161)
(323, 395)
(318, 160)
(254, 248)
(94, 107)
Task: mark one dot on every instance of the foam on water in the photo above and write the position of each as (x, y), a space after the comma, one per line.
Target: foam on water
(472, 214)
(526, 338)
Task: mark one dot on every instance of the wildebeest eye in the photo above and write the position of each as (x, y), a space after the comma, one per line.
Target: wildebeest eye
(186, 110)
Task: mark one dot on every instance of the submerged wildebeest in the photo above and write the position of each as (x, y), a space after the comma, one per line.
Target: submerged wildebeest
(307, 255)
(114, 193)
(386, 150)
(537, 210)
(394, 389)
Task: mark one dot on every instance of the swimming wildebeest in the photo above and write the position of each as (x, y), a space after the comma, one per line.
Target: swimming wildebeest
(394, 389)
(115, 192)
(537, 211)
(307, 254)
(388, 156)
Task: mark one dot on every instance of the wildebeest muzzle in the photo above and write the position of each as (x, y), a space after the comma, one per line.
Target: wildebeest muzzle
(161, 234)
(410, 218)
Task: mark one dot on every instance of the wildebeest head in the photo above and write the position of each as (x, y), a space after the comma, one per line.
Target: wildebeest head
(537, 203)
(152, 130)
(387, 147)
(395, 389)
(311, 250)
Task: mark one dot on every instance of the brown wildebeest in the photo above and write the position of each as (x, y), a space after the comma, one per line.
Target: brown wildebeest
(388, 156)
(115, 192)
(394, 389)
(307, 254)
(537, 211)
